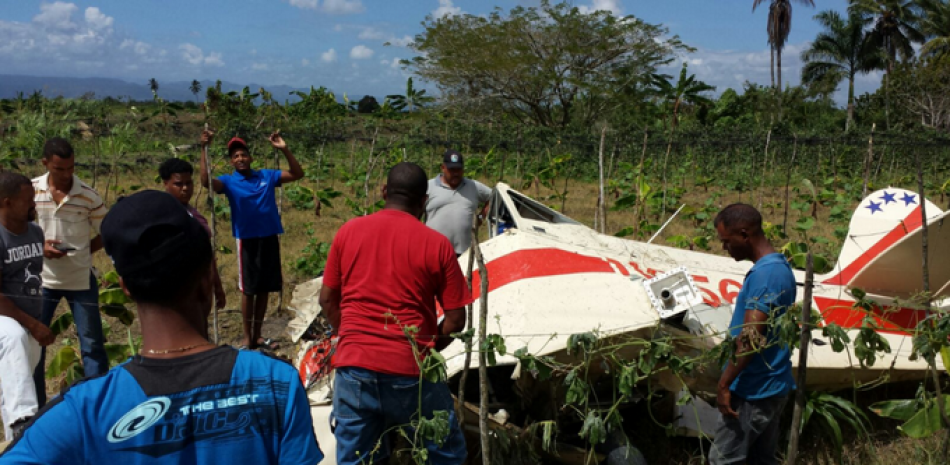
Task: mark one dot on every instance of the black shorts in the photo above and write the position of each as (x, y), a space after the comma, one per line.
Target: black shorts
(259, 265)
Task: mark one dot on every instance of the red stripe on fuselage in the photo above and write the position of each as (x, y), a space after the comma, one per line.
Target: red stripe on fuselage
(895, 320)
(538, 263)
(907, 226)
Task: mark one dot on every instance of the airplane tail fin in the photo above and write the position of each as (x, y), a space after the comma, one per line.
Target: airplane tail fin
(882, 253)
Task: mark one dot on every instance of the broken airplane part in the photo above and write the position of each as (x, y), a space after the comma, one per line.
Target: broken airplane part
(551, 277)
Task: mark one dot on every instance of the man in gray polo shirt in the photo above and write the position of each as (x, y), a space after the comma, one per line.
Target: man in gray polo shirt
(453, 199)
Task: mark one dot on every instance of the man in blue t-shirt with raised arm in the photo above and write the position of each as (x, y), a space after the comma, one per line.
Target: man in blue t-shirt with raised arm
(754, 387)
(255, 223)
(181, 400)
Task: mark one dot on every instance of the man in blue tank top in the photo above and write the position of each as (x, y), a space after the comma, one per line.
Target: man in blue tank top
(182, 400)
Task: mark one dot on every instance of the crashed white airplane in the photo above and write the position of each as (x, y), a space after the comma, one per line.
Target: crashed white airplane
(551, 277)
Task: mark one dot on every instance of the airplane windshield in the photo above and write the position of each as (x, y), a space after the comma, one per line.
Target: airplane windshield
(532, 210)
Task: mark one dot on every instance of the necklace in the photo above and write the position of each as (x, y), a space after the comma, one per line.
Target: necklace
(180, 349)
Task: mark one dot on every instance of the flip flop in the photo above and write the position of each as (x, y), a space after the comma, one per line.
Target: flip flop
(268, 343)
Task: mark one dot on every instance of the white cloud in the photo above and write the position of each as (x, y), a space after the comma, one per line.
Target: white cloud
(612, 6)
(370, 33)
(259, 66)
(343, 7)
(335, 7)
(140, 48)
(191, 53)
(361, 52)
(329, 56)
(304, 62)
(194, 55)
(732, 68)
(403, 41)
(305, 4)
(373, 34)
(96, 20)
(214, 59)
(446, 8)
(57, 15)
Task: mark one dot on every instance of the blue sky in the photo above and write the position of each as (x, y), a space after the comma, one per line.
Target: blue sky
(340, 43)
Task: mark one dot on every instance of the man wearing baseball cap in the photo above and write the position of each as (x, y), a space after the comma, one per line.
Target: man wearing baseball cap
(255, 223)
(182, 399)
(453, 199)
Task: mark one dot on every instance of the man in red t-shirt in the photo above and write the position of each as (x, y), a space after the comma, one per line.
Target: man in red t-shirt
(383, 277)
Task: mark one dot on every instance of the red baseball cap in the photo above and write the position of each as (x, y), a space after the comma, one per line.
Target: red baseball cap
(236, 142)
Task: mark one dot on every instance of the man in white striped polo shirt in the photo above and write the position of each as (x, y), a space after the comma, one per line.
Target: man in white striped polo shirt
(70, 212)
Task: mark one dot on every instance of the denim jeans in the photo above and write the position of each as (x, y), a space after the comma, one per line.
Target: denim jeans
(85, 308)
(753, 437)
(367, 405)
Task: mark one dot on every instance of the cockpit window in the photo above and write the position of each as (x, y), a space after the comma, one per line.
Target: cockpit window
(531, 210)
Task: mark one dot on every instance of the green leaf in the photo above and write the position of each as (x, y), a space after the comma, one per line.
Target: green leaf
(804, 223)
(594, 430)
(924, 423)
(945, 357)
(898, 409)
(577, 388)
(74, 372)
(628, 231)
(65, 358)
(113, 296)
(433, 367)
(61, 324)
(117, 353)
(121, 312)
(582, 342)
(110, 278)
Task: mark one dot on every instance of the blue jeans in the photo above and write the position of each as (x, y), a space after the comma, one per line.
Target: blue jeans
(367, 405)
(85, 308)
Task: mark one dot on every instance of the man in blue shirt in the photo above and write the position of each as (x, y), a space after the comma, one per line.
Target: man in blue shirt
(182, 400)
(255, 223)
(754, 387)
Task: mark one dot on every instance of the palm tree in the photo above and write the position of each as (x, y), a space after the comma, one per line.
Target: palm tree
(779, 26)
(687, 89)
(839, 52)
(413, 98)
(894, 30)
(935, 23)
(195, 87)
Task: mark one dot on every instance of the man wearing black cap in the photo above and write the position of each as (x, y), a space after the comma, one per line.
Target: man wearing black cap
(182, 400)
(255, 223)
(453, 199)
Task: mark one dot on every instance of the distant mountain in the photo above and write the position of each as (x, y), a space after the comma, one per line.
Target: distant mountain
(67, 87)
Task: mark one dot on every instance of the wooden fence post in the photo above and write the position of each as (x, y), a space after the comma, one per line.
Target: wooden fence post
(482, 359)
(211, 224)
(460, 404)
(800, 393)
